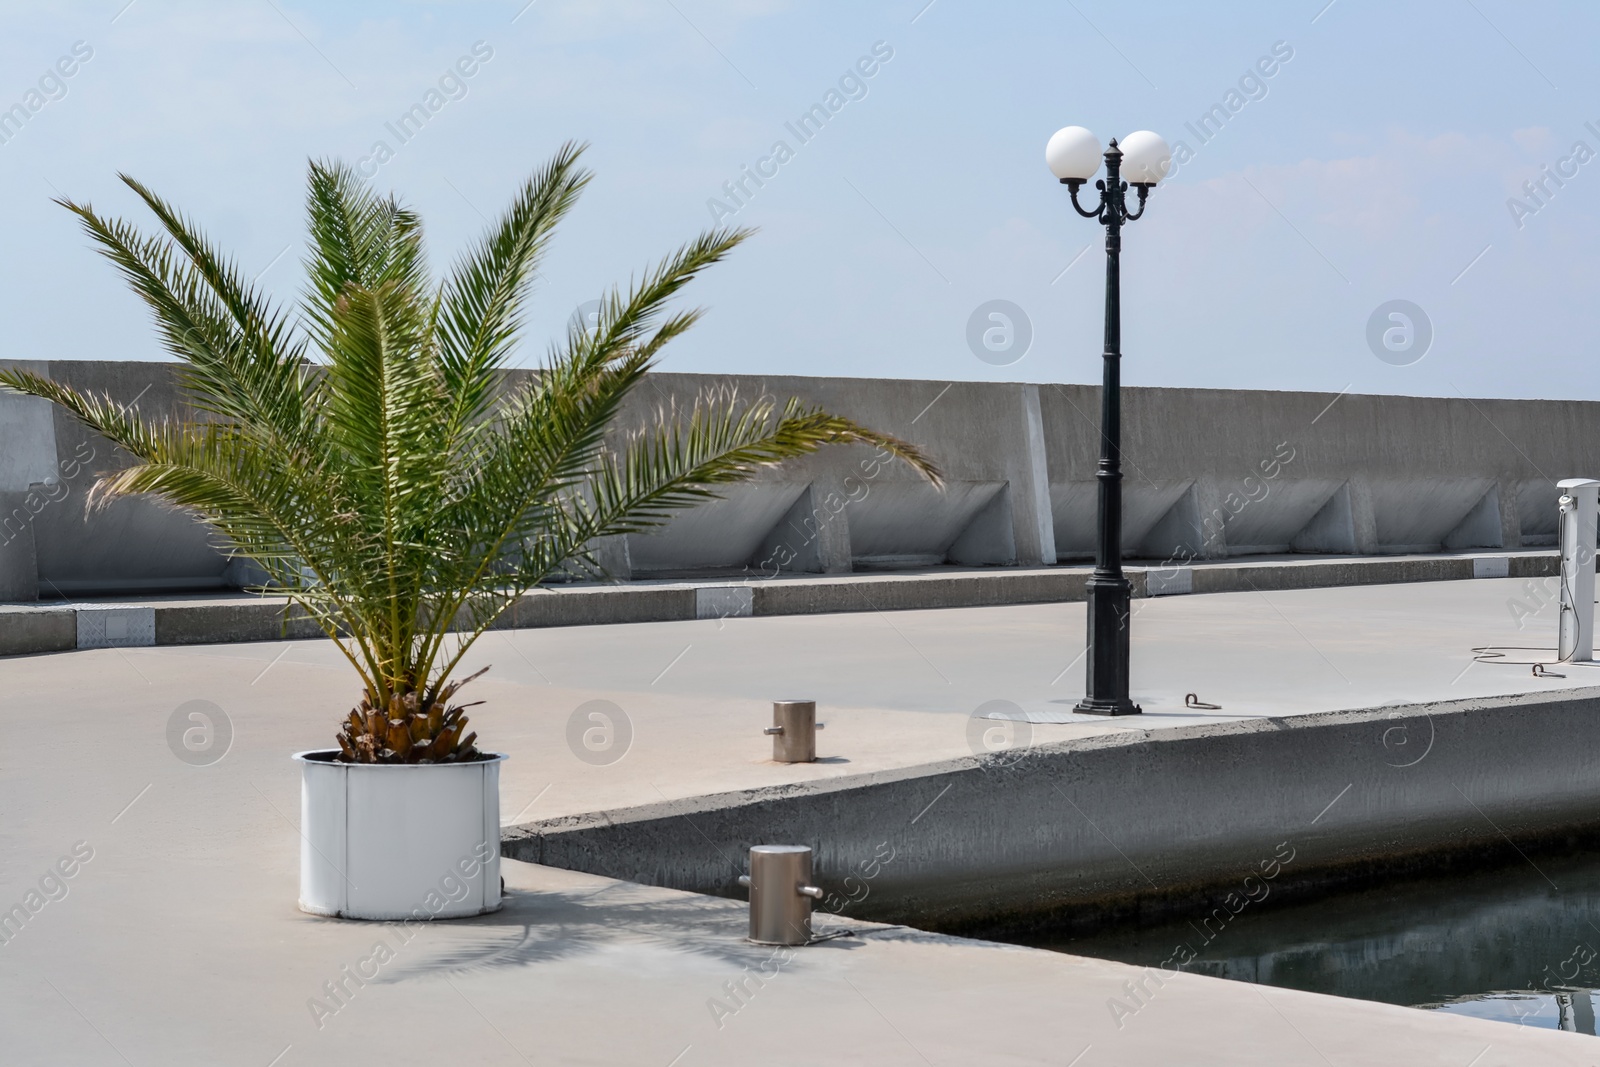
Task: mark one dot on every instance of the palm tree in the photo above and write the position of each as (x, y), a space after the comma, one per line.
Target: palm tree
(372, 455)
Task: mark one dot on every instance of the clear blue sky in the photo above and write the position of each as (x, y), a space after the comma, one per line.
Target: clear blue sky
(1374, 164)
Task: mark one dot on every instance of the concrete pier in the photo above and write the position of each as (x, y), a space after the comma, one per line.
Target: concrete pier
(1148, 822)
(193, 874)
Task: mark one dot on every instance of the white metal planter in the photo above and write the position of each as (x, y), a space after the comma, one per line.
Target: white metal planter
(384, 841)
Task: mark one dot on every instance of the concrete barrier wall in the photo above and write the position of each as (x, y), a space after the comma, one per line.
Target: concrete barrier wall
(1210, 474)
(1148, 821)
(49, 544)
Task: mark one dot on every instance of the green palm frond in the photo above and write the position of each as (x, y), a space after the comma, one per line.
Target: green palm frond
(245, 367)
(365, 449)
(481, 301)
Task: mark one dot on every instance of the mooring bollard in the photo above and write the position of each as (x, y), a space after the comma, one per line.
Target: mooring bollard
(780, 894)
(794, 731)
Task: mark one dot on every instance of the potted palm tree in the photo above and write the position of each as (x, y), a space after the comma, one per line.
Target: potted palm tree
(371, 454)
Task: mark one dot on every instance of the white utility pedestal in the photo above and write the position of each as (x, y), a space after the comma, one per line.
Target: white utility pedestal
(1580, 500)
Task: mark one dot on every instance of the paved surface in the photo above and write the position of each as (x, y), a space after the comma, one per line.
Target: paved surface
(155, 959)
(178, 942)
(895, 688)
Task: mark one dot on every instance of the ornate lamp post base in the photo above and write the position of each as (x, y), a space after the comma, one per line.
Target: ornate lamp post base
(1089, 706)
(1109, 597)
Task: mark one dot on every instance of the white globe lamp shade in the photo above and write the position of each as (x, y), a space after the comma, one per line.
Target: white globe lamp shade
(1145, 157)
(1073, 154)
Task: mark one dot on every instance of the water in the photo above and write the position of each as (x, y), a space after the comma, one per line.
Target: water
(1518, 945)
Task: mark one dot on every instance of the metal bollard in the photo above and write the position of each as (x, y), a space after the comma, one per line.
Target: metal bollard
(780, 894)
(794, 731)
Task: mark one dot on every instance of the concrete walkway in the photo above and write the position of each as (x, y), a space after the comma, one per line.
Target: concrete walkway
(895, 688)
(156, 960)
(178, 941)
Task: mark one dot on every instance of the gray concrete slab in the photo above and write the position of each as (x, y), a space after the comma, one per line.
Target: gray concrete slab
(156, 959)
(178, 942)
(896, 688)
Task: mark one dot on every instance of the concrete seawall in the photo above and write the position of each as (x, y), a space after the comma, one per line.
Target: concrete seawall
(1209, 474)
(1136, 820)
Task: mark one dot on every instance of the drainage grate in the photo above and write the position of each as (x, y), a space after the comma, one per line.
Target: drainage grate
(723, 601)
(115, 627)
(1168, 581)
(1491, 567)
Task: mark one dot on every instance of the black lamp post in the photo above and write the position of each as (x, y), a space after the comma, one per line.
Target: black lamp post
(1073, 155)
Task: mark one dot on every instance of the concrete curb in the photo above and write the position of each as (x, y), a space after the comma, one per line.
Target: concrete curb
(228, 618)
(1327, 573)
(30, 630)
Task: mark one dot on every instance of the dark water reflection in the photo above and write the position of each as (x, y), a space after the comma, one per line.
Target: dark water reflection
(1514, 945)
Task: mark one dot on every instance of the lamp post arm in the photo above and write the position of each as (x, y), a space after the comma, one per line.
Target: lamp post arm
(1144, 192)
(1072, 185)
